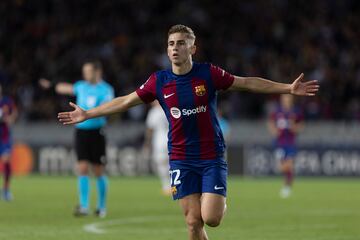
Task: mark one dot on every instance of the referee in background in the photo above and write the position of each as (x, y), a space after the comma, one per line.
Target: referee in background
(90, 142)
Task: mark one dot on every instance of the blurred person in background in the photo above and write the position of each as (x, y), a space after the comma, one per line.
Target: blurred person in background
(284, 124)
(156, 137)
(8, 115)
(188, 95)
(90, 140)
(225, 127)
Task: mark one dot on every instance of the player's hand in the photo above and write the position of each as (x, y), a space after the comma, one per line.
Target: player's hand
(76, 116)
(309, 88)
(44, 83)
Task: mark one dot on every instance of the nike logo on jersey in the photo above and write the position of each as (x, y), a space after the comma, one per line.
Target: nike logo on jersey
(169, 95)
(218, 188)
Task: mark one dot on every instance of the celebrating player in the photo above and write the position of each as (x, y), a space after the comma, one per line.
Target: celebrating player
(156, 136)
(187, 93)
(90, 139)
(284, 123)
(8, 114)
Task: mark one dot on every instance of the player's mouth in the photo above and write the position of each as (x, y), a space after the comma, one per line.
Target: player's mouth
(175, 55)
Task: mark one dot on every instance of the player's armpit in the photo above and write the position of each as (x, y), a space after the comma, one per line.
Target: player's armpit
(238, 84)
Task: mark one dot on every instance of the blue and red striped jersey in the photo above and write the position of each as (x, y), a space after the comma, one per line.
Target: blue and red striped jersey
(190, 103)
(283, 120)
(6, 107)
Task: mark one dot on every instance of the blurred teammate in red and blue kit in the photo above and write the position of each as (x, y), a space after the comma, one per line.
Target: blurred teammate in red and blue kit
(284, 124)
(8, 114)
(188, 95)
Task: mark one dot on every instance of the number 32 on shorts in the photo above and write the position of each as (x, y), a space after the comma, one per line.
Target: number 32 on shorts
(174, 177)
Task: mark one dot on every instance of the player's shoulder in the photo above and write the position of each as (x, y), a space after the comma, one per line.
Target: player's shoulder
(106, 85)
(80, 82)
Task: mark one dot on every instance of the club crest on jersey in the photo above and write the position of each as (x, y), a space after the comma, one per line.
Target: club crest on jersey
(200, 90)
(173, 190)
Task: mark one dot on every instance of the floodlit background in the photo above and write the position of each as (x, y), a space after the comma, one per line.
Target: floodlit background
(275, 39)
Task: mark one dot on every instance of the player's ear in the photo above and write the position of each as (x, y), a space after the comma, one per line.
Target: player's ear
(193, 49)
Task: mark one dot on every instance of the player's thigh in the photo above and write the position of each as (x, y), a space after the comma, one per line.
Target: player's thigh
(213, 207)
(191, 206)
(98, 169)
(287, 164)
(83, 166)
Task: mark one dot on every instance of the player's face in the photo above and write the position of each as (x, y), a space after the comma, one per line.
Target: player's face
(180, 48)
(287, 101)
(89, 72)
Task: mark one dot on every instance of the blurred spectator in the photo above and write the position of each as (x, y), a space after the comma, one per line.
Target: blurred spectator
(276, 39)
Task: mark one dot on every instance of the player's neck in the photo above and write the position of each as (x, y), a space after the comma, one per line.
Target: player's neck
(183, 68)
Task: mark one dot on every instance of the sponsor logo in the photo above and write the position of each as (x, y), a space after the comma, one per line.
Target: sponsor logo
(169, 95)
(175, 112)
(200, 90)
(218, 188)
(188, 112)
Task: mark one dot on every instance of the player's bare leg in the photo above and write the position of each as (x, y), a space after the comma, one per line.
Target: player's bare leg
(287, 170)
(102, 188)
(84, 188)
(213, 207)
(191, 206)
(6, 195)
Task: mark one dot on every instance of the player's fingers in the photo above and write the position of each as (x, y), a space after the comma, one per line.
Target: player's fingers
(73, 105)
(312, 82)
(63, 114)
(64, 119)
(300, 77)
(310, 94)
(69, 123)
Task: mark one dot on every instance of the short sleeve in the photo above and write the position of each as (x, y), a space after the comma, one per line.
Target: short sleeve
(222, 79)
(76, 87)
(147, 91)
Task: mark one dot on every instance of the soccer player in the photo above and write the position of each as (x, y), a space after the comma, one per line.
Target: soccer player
(156, 136)
(187, 93)
(284, 124)
(90, 140)
(8, 115)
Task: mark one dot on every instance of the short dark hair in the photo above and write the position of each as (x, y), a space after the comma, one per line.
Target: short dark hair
(96, 64)
(179, 28)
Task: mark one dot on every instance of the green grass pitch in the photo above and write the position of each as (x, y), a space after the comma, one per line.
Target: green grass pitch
(319, 209)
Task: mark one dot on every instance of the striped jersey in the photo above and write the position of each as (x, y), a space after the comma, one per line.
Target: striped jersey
(190, 103)
(6, 107)
(283, 120)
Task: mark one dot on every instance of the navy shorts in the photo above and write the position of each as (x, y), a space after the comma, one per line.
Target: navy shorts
(285, 152)
(198, 176)
(5, 148)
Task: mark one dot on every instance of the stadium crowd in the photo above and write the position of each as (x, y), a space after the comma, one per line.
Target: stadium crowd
(275, 39)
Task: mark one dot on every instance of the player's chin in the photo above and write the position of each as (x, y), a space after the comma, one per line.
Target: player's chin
(177, 62)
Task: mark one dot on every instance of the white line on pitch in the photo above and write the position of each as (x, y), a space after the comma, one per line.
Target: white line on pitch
(98, 227)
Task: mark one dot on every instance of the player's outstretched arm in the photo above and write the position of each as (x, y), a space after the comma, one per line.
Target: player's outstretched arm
(261, 85)
(60, 88)
(119, 104)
